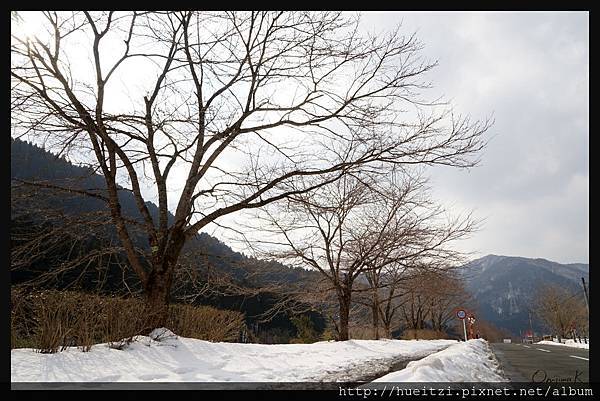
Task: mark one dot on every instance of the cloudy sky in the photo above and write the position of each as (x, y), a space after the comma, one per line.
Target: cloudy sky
(530, 71)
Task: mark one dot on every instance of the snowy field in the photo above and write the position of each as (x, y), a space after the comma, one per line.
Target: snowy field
(568, 343)
(179, 359)
(472, 361)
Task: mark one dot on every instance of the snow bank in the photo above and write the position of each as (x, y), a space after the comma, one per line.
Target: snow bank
(173, 358)
(470, 361)
(568, 343)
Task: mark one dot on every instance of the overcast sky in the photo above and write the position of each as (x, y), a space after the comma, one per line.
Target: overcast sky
(530, 70)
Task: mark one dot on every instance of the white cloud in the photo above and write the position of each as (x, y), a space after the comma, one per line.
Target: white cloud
(532, 71)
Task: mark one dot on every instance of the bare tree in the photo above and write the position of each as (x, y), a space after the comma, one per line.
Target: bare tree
(243, 105)
(560, 310)
(319, 230)
(358, 229)
(395, 230)
(413, 295)
(418, 242)
(392, 291)
(446, 293)
(431, 299)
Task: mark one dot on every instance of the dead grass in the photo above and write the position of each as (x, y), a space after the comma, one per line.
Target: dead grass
(205, 322)
(423, 334)
(50, 321)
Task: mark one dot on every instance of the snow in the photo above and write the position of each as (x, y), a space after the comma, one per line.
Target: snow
(568, 343)
(470, 361)
(176, 359)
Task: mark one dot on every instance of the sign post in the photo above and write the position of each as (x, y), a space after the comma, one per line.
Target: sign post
(461, 314)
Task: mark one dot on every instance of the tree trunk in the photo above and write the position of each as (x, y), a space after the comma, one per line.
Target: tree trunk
(344, 317)
(159, 282)
(375, 310)
(387, 328)
(157, 292)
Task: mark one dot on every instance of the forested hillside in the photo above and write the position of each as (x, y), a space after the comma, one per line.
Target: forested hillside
(221, 276)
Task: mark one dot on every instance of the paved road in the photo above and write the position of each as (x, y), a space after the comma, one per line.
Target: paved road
(543, 363)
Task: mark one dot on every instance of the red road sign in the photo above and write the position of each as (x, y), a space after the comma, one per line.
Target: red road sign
(461, 314)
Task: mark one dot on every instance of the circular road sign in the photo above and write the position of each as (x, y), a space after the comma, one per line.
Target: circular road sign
(461, 314)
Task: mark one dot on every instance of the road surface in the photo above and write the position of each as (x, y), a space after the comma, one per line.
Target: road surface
(528, 363)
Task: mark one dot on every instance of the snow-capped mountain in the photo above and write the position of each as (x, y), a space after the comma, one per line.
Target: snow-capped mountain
(503, 286)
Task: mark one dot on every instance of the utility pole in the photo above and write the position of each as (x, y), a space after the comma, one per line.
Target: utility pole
(587, 297)
(587, 303)
(531, 329)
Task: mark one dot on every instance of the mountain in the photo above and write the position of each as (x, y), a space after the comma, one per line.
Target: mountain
(504, 286)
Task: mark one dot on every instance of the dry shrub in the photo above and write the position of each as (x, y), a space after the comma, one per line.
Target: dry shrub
(423, 334)
(52, 320)
(81, 317)
(361, 332)
(123, 319)
(366, 332)
(87, 327)
(55, 321)
(205, 322)
(20, 327)
(490, 332)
